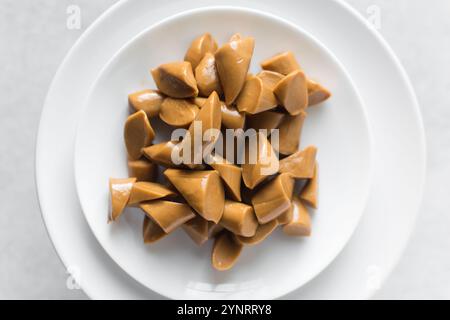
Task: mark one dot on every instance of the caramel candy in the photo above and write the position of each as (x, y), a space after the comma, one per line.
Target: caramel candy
(210, 113)
(142, 170)
(207, 76)
(239, 218)
(213, 229)
(147, 100)
(161, 153)
(138, 134)
(168, 215)
(178, 112)
(199, 47)
(200, 230)
(262, 232)
(270, 78)
(197, 229)
(247, 195)
(255, 97)
(199, 101)
(145, 191)
(292, 92)
(316, 93)
(309, 192)
(151, 231)
(300, 225)
(273, 199)
(120, 190)
(176, 79)
(231, 117)
(300, 165)
(254, 172)
(210, 117)
(233, 61)
(290, 133)
(283, 63)
(203, 191)
(285, 217)
(265, 120)
(230, 174)
(226, 251)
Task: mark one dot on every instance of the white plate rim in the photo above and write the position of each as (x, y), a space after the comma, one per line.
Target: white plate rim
(40, 192)
(419, 122)
(296, 285)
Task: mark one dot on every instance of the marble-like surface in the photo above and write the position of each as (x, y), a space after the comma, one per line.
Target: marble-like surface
(34, 40)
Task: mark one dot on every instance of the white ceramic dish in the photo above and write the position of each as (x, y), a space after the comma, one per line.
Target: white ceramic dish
(176, 267)
(367, 257)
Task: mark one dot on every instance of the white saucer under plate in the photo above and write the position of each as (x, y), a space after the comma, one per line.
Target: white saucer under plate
(399, 149)
(175, 267)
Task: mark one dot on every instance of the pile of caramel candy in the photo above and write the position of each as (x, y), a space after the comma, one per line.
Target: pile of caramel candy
(234, 203)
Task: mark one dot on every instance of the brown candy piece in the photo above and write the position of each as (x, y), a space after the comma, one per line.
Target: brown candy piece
(290, 133)
(161, 153)
(230, 174)
(300, 165)
(142, 169)
(255, 172)
(316, 93)
(292, 92)
(270, 78)
(120, 190)
(213, 229)
(283, 63)
(145, 191)
(265, 120)
(178, 112)
(310, 191)
(262, 232)
(233, 61)
(203, 190)
(176, 79)
(285, 217)
(167, 214)
(200, 230)
(199, 47)
(207, 76)
(231, 117)
(199, 101)
(138, 134)
(151, 232)
(226, 251)
(197, 229)
(239, 218)
(147, 100)
(255, 97)
(300, 225)
(210, 117)
(273, 199)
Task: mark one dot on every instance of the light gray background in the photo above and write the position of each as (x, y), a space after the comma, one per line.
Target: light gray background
(33, 41)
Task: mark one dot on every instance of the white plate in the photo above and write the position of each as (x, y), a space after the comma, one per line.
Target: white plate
(176, 267)
(394, 118)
